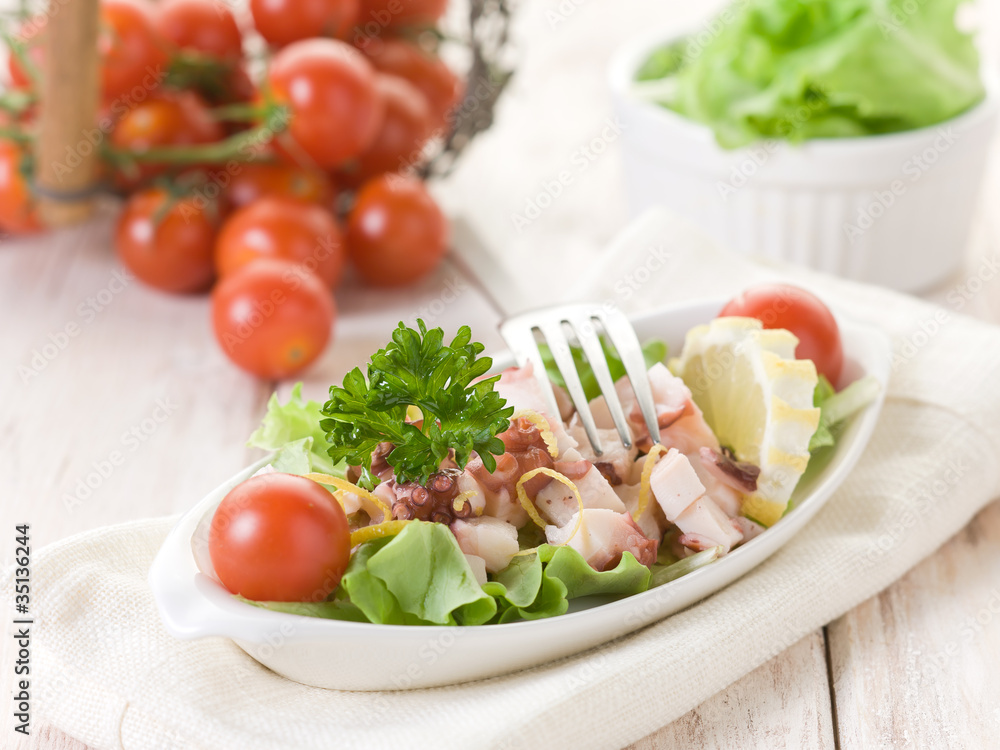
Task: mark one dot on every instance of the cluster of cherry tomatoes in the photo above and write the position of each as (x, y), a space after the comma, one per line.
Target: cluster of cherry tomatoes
(258, 177)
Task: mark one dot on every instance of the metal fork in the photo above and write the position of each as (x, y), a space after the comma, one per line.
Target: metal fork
(584, 320)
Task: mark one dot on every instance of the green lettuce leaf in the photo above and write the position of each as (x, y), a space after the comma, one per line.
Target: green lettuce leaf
(822, 437)
(425, 570)
(368, 592)
(799, 69)
(293, 431)
(835, 407)
(541, 585)
(565, 563)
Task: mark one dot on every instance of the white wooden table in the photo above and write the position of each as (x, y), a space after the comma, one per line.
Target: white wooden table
(143, 376)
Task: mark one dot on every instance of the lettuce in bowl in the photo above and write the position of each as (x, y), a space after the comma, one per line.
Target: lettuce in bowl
(802, 69)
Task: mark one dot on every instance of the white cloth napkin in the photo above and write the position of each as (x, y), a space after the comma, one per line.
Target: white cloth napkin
(110, 675)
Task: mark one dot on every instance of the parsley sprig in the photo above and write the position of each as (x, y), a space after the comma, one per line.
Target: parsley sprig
(418, 369)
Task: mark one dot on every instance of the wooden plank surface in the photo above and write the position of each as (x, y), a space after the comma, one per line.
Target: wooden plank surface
(917, 666)
(784, 703)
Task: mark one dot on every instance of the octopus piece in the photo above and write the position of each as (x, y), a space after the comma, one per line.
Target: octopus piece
(652, 522)
(499, 498)
(727, 498)
(493, 540)
(615, 463)
(509, 470)
(740, 475)
(437, 501)
(705, 521)
(681, 495)
(604, 536)
(556, 502)
(675, 484)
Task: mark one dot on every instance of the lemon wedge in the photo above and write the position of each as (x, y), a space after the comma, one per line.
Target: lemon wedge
(758, 399)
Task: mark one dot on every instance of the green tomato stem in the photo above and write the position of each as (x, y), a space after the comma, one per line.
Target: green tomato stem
(239, 147)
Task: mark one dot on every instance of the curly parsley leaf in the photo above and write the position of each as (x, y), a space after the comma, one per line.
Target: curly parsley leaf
(418, 369)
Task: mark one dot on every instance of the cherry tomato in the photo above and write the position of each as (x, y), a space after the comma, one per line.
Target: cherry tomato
(203, 26)
(424, 70)
(396, 14)
(167, 242)
(275, 227)
(329, 88)
(279, 537)
(272, 318)
(256, 180)
(802, 313)
(133, 56)
(167, 118)
(17, 207)
(282, 22)
(395, 233)
(406, 126)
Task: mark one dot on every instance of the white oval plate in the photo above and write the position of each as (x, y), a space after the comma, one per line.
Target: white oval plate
(363, 656)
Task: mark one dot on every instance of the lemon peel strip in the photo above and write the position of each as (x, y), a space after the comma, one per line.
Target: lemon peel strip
(377, 531)
(647, 472)
(344, 486)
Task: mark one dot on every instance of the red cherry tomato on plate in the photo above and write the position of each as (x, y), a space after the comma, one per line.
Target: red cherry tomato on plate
(275, 227)
(282, 22)
(272, 318)
(329, 88)
(133, 56)
(204, 26)
(17, 206)
(279, 537)
(424, 70)
(167, 242)
(802, 313)
(406, 126)
(396, 233)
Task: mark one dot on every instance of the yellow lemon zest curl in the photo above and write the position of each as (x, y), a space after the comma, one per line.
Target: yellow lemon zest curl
(344, 486)
(647, 472)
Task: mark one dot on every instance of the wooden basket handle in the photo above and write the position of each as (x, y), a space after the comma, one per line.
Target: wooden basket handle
(68, 138)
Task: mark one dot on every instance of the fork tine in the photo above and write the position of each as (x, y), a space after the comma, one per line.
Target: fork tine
(559, 346)
(622, 335)
(521, 339)
(591, 344)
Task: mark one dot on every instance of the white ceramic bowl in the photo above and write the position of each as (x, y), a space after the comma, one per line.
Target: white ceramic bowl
(890, 209)
(362, 656)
